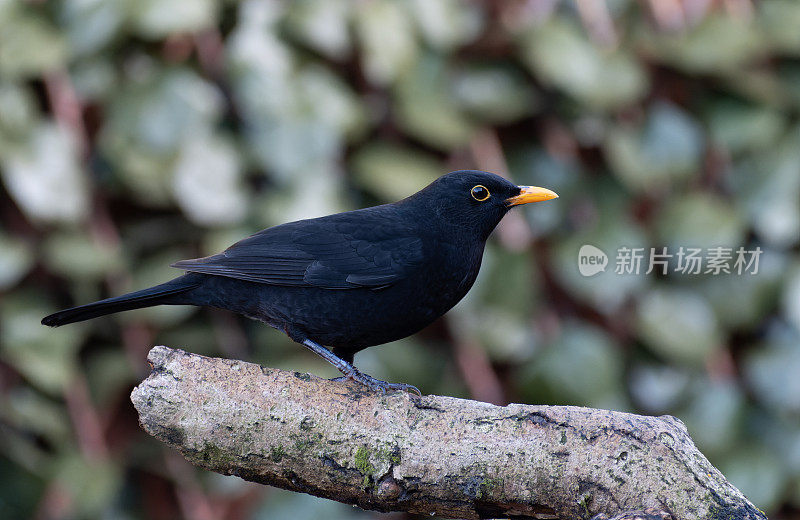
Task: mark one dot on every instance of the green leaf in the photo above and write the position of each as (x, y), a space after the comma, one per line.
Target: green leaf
(207, 182)
(295, 201)
(678, 324)
(45, 356)
(92, 24)
(741, 127)
(90, 485)
(387, 40)
(715, 415)
(755, 294)
(780, 20)
(163, 108)
(29, 45)
(758, 472)
(494, 93)
(109, 374)
(322, 25)
(771, 371)
(665, 150)
(768, 186)
(95, 80)
(699, 220)
(560, 54)
(77, 256)
(720, 43)
(34, 413)
(16, 259)
(582, 367)
(426, 108)
(18, 116)
(45, 178)
(155, 19)
(446, 24)
(330, 102)
(149, 121)
(658, 388)
(393, 172)
(791, 295)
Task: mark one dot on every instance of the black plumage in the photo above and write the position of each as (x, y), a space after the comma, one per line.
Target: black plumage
(350, 280)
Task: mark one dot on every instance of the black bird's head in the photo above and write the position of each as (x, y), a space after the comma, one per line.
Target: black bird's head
(476, 201)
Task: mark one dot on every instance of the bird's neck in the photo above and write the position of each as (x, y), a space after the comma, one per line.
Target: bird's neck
(434, 218)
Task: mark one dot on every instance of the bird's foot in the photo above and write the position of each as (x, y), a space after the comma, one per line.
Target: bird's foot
(381, 386)
(350, 372)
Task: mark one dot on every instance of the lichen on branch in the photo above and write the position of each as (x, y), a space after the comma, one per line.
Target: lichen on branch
(452, 457)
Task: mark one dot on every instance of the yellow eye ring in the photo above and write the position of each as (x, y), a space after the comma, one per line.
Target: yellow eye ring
(480, 193)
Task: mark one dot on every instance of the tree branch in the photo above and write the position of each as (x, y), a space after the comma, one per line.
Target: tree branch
(452, 457)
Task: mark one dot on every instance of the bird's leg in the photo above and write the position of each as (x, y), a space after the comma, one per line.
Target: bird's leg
(353, 373)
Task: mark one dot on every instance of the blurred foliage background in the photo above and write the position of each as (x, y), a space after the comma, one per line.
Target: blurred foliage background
(136, 133)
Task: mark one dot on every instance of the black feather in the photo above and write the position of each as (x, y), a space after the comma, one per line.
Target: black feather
(158, 295)
(373, 248)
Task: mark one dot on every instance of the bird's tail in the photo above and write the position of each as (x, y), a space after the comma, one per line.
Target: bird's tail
(158, 295)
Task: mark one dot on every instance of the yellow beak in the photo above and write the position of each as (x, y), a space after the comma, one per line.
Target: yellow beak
(531, 194)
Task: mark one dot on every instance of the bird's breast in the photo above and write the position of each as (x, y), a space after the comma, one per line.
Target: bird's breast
(450, 273)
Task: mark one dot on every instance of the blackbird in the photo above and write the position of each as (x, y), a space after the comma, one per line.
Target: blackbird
(341, 283)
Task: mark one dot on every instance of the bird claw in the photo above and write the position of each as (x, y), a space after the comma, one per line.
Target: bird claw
(381, 386)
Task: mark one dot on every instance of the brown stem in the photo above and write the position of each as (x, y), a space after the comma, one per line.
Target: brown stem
(85, 420)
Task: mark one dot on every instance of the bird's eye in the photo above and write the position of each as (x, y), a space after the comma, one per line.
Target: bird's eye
(480, 193)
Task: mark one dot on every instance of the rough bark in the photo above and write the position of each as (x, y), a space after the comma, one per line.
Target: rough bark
(452, 457)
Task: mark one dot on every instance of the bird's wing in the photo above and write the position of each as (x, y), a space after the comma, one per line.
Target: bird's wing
(343, 251)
